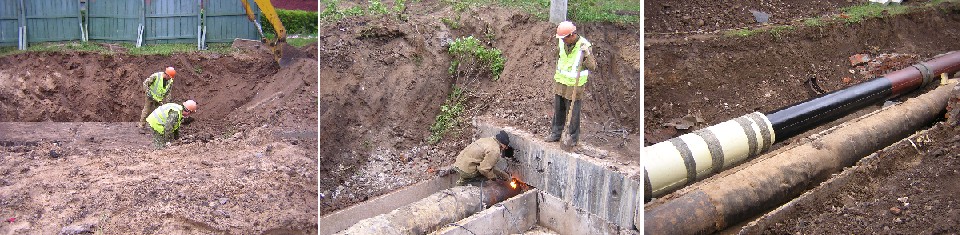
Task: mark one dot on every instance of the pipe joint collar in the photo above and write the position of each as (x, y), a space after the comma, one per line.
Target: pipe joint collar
(926, 72)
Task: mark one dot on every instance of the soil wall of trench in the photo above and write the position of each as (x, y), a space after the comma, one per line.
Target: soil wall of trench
(384, 80)
(718, 77)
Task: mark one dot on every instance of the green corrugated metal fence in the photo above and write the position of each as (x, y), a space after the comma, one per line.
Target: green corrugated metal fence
(9, 22)
(135, 21)
(172, 21)
(225, 20)
(52, 20)
(114, 21)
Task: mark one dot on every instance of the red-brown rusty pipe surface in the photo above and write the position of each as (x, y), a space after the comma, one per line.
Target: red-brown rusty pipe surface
(437, 210)
(498, 191)
(908, 79)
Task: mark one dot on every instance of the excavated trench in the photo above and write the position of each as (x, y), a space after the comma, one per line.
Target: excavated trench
(561, 192)
(732, 76)
(98, 97)
(69, 141)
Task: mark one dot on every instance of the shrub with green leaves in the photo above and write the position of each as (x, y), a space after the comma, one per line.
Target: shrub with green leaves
(449, 115)
(301, 22)
(377, 8)
(475, 56)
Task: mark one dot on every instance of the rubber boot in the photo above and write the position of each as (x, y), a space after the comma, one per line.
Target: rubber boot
(573, 131)
(559, 118)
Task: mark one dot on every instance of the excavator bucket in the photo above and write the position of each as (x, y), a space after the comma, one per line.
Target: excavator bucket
(285, 54)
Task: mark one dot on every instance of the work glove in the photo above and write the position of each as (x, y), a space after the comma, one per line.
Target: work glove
(186, 120)
(502, 175)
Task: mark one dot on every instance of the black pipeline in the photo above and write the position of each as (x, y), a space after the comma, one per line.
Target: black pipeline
(680, 161)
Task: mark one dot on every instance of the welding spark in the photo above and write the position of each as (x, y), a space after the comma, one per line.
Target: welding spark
(513, 184)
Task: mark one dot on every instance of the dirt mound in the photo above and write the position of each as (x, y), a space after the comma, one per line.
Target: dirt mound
(673, 16)
(79, 86)
(384, 81)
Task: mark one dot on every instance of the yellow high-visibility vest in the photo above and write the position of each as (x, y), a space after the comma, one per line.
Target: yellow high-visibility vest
(568, 65)
(158, 119)
(157, 90)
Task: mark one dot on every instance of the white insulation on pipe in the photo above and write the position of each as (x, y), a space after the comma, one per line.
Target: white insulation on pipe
(671, 164)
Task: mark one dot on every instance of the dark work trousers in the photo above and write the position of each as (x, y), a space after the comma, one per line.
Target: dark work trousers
(560, 106)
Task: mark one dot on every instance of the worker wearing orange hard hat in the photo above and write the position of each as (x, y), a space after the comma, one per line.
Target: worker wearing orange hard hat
(157, 87)
(573, 67)
(166, 120)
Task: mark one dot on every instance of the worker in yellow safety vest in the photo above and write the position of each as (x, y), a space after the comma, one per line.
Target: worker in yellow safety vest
(572, 71)
(480, 159)
(166, 119)
(157, 87)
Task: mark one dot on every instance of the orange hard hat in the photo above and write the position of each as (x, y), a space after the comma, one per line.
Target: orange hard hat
(565, 28)
(190, 105)
(171, 72)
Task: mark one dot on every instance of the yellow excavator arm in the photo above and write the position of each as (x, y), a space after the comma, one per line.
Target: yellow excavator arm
(276, 46)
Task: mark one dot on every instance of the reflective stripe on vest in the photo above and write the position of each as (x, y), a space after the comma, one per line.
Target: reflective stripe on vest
(568, 64)
(157, 90)
(158, 119)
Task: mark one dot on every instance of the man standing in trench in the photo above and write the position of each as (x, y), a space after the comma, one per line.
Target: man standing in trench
(572, 69)
(157, 86)
(480, 158)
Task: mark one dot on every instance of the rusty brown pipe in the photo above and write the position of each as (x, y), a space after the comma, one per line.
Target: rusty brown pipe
(714, 205)
(437, 210)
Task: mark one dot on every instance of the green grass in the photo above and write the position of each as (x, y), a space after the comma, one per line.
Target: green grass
(777, 31)
(302, 40)
(5, 51)
(453, 24)
(538, 8)
(814, 22)
(69, 46)
(377, 8)
(332, 13)
(741, 32)
(855, 14)
(578, 11)
(154, 49)
(220, 48)
(605, 11)
(159, 49)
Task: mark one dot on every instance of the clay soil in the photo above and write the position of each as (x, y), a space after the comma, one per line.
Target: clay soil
(715, 77)
(384, 80)
(246, 165)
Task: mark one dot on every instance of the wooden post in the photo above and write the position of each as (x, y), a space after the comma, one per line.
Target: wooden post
(558, 11)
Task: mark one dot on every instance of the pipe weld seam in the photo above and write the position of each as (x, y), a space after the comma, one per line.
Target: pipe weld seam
(688, 160)
(766, 130)
(925, 71)
(713, 144)
(748, 129)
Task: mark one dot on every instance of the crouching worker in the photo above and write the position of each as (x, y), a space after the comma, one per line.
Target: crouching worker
(165, 121)
(480, 158)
